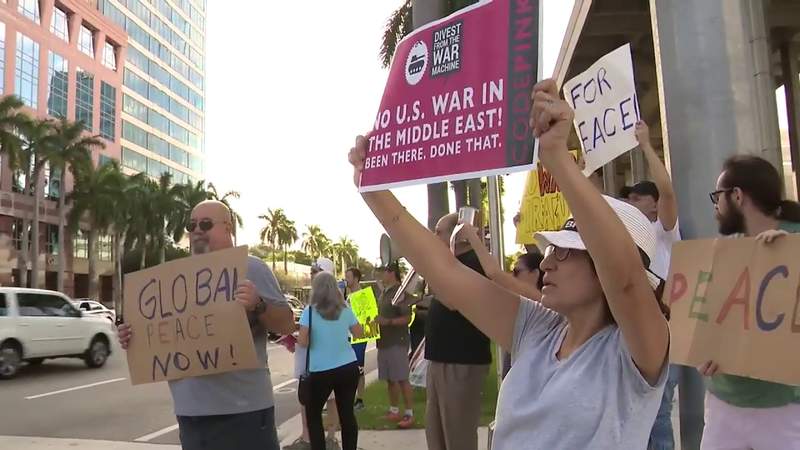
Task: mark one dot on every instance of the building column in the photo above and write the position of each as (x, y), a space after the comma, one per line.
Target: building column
(790, 56)
(717, 100)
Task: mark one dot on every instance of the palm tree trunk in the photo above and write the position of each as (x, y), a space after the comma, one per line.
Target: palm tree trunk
(143, 245)
(273, 256)
(62, 248)
(285, 260)
(422, 12)
(116, 280)
(162, 253)
(461, 193)
(22, 255)
(93, 281)
(37, 201)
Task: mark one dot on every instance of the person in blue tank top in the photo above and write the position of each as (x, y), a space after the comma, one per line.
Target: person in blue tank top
(325, 328)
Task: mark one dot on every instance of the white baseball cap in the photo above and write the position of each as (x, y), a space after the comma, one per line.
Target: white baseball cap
(323, 265)
(638, 225)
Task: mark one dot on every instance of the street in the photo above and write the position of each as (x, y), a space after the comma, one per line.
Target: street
(62, 398)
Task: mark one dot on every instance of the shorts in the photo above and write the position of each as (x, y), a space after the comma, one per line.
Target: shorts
(361, 350)
(393, 363)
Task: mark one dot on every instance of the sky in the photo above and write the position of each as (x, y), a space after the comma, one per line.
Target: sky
(289, 86)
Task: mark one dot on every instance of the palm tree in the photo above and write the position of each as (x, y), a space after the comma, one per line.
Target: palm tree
(400, 23)
(345, 253)
(315, 242)
(169, 213)
(95, 197)
(37, 140)
(236, 219)
(71, 149)
(271, 230)
(140, 195)
(287, 235)
(11, 120)
(191, 195)
(123, 229)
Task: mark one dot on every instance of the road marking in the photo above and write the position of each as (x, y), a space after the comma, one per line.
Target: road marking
(151, 436)
(284, 384)
(32, 397)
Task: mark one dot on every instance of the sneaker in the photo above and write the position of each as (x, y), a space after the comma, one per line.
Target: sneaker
(359, 405)
(299, 444)
(393, 417)
(406, 423)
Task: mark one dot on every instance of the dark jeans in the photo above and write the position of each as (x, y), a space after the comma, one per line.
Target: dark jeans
(343, 381)
(246, 431)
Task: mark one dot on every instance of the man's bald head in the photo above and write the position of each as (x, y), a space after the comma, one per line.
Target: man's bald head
(218, 236)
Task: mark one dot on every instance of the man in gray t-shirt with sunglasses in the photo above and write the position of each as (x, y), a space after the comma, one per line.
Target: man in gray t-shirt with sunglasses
(234, 409)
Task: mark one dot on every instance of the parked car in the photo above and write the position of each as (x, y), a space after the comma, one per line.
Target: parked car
(36, 324)
(296, 305)
(92, 308)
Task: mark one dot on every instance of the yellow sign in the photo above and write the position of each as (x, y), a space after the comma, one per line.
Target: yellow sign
(365, 308)
(543, 206)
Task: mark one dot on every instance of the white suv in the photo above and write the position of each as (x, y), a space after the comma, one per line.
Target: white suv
(36, 324)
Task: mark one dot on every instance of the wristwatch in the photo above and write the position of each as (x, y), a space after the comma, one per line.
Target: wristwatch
(260, 307)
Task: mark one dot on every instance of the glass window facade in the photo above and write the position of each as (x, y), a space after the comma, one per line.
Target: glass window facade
(52, 182)
(165, 54)
(80, 245)
(84, 98)
(158, 121)
(86, 41)
(158, 146)
(134, 134)
(26, 79)
(136, 83)
(104, 246)
(2, 55)
(29, 9)
(57, 85)
(109, 57)
(58, 25)
(134, 107)
(108, 110)
(52, 239)
(134, 160)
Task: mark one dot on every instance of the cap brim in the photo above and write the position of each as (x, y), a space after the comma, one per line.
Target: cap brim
(562, 238)
(571, 239)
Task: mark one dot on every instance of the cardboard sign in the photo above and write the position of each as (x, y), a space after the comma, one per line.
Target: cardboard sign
(543, 206)
(458, 97)
(184, 319)
(606, 108)
(365, 308)
(736, 302)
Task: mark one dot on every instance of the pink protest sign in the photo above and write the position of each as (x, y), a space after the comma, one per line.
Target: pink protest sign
(457, 101)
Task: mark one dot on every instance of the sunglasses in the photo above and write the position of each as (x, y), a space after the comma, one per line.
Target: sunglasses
(204, 225)
(560, 253)
(715, 195)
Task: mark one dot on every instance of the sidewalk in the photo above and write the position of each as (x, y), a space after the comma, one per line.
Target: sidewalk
(404, 439)
(37, 443)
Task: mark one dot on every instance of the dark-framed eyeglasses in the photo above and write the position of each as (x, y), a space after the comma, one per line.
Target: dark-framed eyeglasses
(715, 195)
(560, 253)
(203, 224)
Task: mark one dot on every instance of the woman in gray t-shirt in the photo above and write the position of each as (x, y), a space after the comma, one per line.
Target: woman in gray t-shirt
(590, 357)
